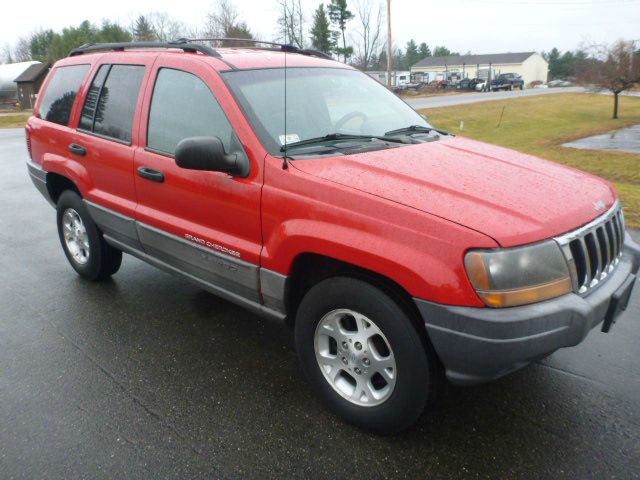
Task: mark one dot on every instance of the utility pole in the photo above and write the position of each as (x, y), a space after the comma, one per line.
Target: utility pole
(390, 55)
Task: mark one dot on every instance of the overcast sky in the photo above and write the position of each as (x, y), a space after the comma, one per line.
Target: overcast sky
(479, 26)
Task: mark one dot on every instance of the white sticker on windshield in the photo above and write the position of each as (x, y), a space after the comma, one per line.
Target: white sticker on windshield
(289, 138)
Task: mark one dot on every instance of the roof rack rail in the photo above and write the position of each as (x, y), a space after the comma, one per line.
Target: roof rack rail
(285, 47)
(189, 45)
(181, 43)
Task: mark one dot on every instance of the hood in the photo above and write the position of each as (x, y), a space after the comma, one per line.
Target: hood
(512, 197)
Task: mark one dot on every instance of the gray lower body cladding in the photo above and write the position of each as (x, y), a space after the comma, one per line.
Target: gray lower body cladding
(39, 178)
(480, 344)
(233, 279)
(257, 289)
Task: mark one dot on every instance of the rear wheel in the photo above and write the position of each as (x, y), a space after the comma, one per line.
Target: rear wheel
(87, 251)
(363, 356)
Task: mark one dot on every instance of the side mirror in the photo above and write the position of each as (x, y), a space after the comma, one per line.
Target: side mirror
(207, 153)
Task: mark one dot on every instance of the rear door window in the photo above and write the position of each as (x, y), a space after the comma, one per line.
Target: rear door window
(111, 101)
(61, 92)
(183, 106)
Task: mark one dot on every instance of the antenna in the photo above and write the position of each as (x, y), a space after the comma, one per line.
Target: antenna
(285, 158)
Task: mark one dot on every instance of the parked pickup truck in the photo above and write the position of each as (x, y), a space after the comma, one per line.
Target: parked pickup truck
(399, 254)
(507, 81)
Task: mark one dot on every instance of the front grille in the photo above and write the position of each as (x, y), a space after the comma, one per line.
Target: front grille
(594, 250)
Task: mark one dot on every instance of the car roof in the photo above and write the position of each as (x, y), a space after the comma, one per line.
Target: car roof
(228, 58)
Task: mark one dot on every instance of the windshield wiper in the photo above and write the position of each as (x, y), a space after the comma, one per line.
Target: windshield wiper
(417, 129)
(337, 136)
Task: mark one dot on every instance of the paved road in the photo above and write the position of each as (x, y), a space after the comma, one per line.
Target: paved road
(145, 376)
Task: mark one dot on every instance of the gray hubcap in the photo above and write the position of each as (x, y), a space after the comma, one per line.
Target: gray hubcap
(355, 357)
(75, 236)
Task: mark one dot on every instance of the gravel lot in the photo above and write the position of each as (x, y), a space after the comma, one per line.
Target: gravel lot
(145, 376)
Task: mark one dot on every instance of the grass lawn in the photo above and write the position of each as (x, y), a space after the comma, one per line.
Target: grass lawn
(540, 125)
(16, 120)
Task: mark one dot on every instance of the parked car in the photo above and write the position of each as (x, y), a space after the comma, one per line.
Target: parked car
(397, 253)
(559, 83)
(481, 85)
(407, 86)
(438, 84)
(507, 81)
(471, 83)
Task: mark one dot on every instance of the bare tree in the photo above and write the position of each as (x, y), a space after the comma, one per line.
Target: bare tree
(615, 68)
(368, 36)
(291, 23)
(165, 27)
(22, 50)
(222, 19)
(7, 54)
(224, 23)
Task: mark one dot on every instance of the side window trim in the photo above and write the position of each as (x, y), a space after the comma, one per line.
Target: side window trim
(159, 152)
(93, 120)
(95, 110)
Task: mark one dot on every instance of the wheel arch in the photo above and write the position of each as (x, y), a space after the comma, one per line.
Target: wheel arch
(56, 184)
(309, 269)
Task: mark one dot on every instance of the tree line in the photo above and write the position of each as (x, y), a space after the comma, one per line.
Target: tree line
(565, 65)
(365, 47)
(353, 32)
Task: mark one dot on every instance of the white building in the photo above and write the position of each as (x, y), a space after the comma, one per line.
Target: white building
(531, 66)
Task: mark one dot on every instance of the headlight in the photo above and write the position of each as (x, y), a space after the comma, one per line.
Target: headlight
(517, 276)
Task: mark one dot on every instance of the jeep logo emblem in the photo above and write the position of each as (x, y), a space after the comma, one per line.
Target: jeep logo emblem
(599, 205)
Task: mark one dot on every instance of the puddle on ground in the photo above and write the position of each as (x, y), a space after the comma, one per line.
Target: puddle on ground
(623, 140)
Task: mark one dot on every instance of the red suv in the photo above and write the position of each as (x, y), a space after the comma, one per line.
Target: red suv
(302, 189)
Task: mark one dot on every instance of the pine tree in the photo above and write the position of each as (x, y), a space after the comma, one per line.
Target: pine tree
(424, 51)
(320, 32)
(442, 52)
(382, 60)
(340, 14)
(411, 55)
(142, 30)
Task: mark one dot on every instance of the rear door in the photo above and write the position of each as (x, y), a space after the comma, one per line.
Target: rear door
(202, 223)
(105, 139)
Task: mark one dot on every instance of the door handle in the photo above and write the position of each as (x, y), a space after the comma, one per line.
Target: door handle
(151, 174)
(77, 149)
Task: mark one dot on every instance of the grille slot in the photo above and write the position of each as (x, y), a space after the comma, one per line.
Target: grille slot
(594, 251)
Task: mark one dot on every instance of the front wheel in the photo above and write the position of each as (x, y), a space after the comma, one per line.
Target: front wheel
(85, 248)
(363, 356)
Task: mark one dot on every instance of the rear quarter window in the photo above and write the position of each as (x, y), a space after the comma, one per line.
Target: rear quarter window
(61, 92)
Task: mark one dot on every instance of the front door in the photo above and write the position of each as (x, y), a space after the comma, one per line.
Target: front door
(204, 224)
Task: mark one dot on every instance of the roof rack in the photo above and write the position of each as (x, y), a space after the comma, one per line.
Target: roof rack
(182, 44)
(189, 45)
(284, 47)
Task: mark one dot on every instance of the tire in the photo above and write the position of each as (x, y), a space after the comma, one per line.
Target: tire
(388, 405)
(85, 248)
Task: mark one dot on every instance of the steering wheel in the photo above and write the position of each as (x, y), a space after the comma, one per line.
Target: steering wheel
(350, 116)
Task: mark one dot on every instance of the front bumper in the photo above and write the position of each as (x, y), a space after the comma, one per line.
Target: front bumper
(480, 344)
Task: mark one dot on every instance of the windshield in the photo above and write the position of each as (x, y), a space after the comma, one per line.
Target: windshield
(319, 102)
